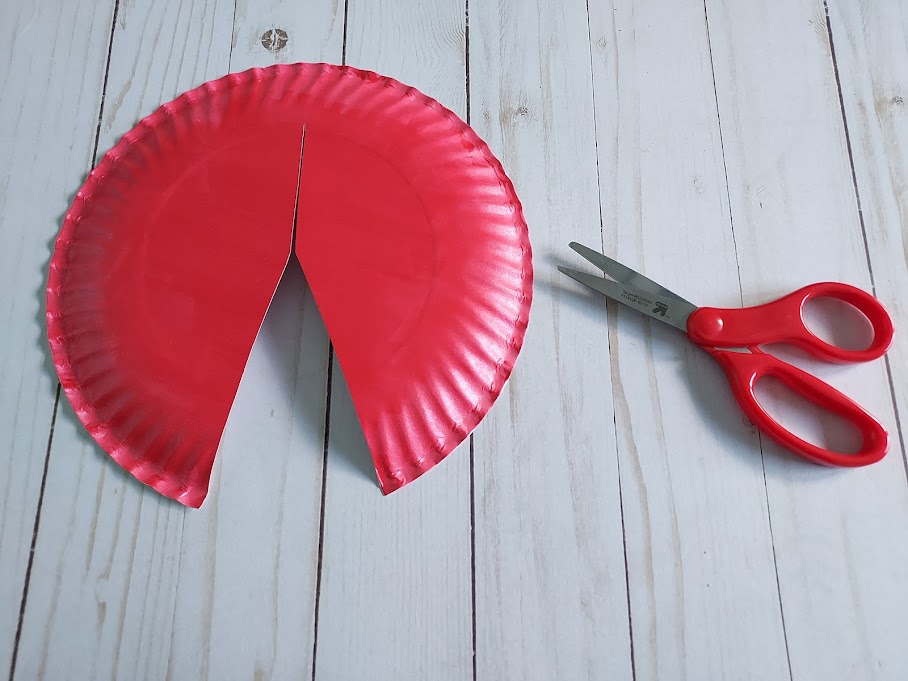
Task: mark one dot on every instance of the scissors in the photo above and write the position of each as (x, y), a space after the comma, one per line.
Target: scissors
(733, 337)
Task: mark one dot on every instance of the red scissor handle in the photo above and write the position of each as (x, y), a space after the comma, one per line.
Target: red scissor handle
(781, 321)
(744, 369)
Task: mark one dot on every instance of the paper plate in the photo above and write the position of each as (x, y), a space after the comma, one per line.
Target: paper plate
(408, 230)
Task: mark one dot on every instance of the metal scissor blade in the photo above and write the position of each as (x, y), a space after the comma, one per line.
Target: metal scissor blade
(623, 273)
(672, 311)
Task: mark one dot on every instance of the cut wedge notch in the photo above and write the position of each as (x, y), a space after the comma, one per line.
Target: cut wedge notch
(410, 234)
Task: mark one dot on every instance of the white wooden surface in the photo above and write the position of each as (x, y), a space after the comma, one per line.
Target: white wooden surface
(550, 577)
(46, 151)
(701, 583)
(614, 516)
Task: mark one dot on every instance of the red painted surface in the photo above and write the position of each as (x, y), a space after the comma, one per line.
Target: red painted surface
(409, 232)
(781, 321)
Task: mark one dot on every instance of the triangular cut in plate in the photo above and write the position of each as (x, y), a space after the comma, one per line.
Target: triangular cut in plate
(410, 235)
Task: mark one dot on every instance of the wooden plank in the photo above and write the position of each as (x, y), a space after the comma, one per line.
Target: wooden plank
(52, 72)
(871, 48)
(102, 596)
(871, 45)
(247, 591)
(840, 537)
(703, 594)
(395, 581)
(550, 574)
(126, 583)
(246, 594)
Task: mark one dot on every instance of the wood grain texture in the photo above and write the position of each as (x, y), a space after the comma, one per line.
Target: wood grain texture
(703, 595)
(840, 537)
(871, 44)
(102, 598)
(629, 523)
(51, 53)
(395, 581)
(550, 575)
(127, 584)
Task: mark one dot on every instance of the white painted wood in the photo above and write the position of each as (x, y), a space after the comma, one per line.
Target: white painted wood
(703, 594)
(246, 594)
(603, 405)
(48, 52)
(395, 585)
(102, 598)
(871, 43)
(315, 32)
(551, 600)
(125, 583)
(247, 591)
(840, 537)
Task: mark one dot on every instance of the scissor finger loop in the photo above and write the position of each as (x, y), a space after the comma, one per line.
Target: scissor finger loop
(732, 337)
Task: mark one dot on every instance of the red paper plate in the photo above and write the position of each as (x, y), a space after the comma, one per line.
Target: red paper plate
(409, 232)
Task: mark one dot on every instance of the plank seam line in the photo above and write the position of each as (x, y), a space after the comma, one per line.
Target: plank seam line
(466, 38)
(173, 615)
(113, 27)
(330, 374)
(857, 198)
(466, 33)
(731, 220)
(232, 38)
(627, 580)
(775, 564)
(31, 551)
(854, 178)
(344, 39)
(898, 420)
(608, 303)
(473, 556)
(321, 519)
